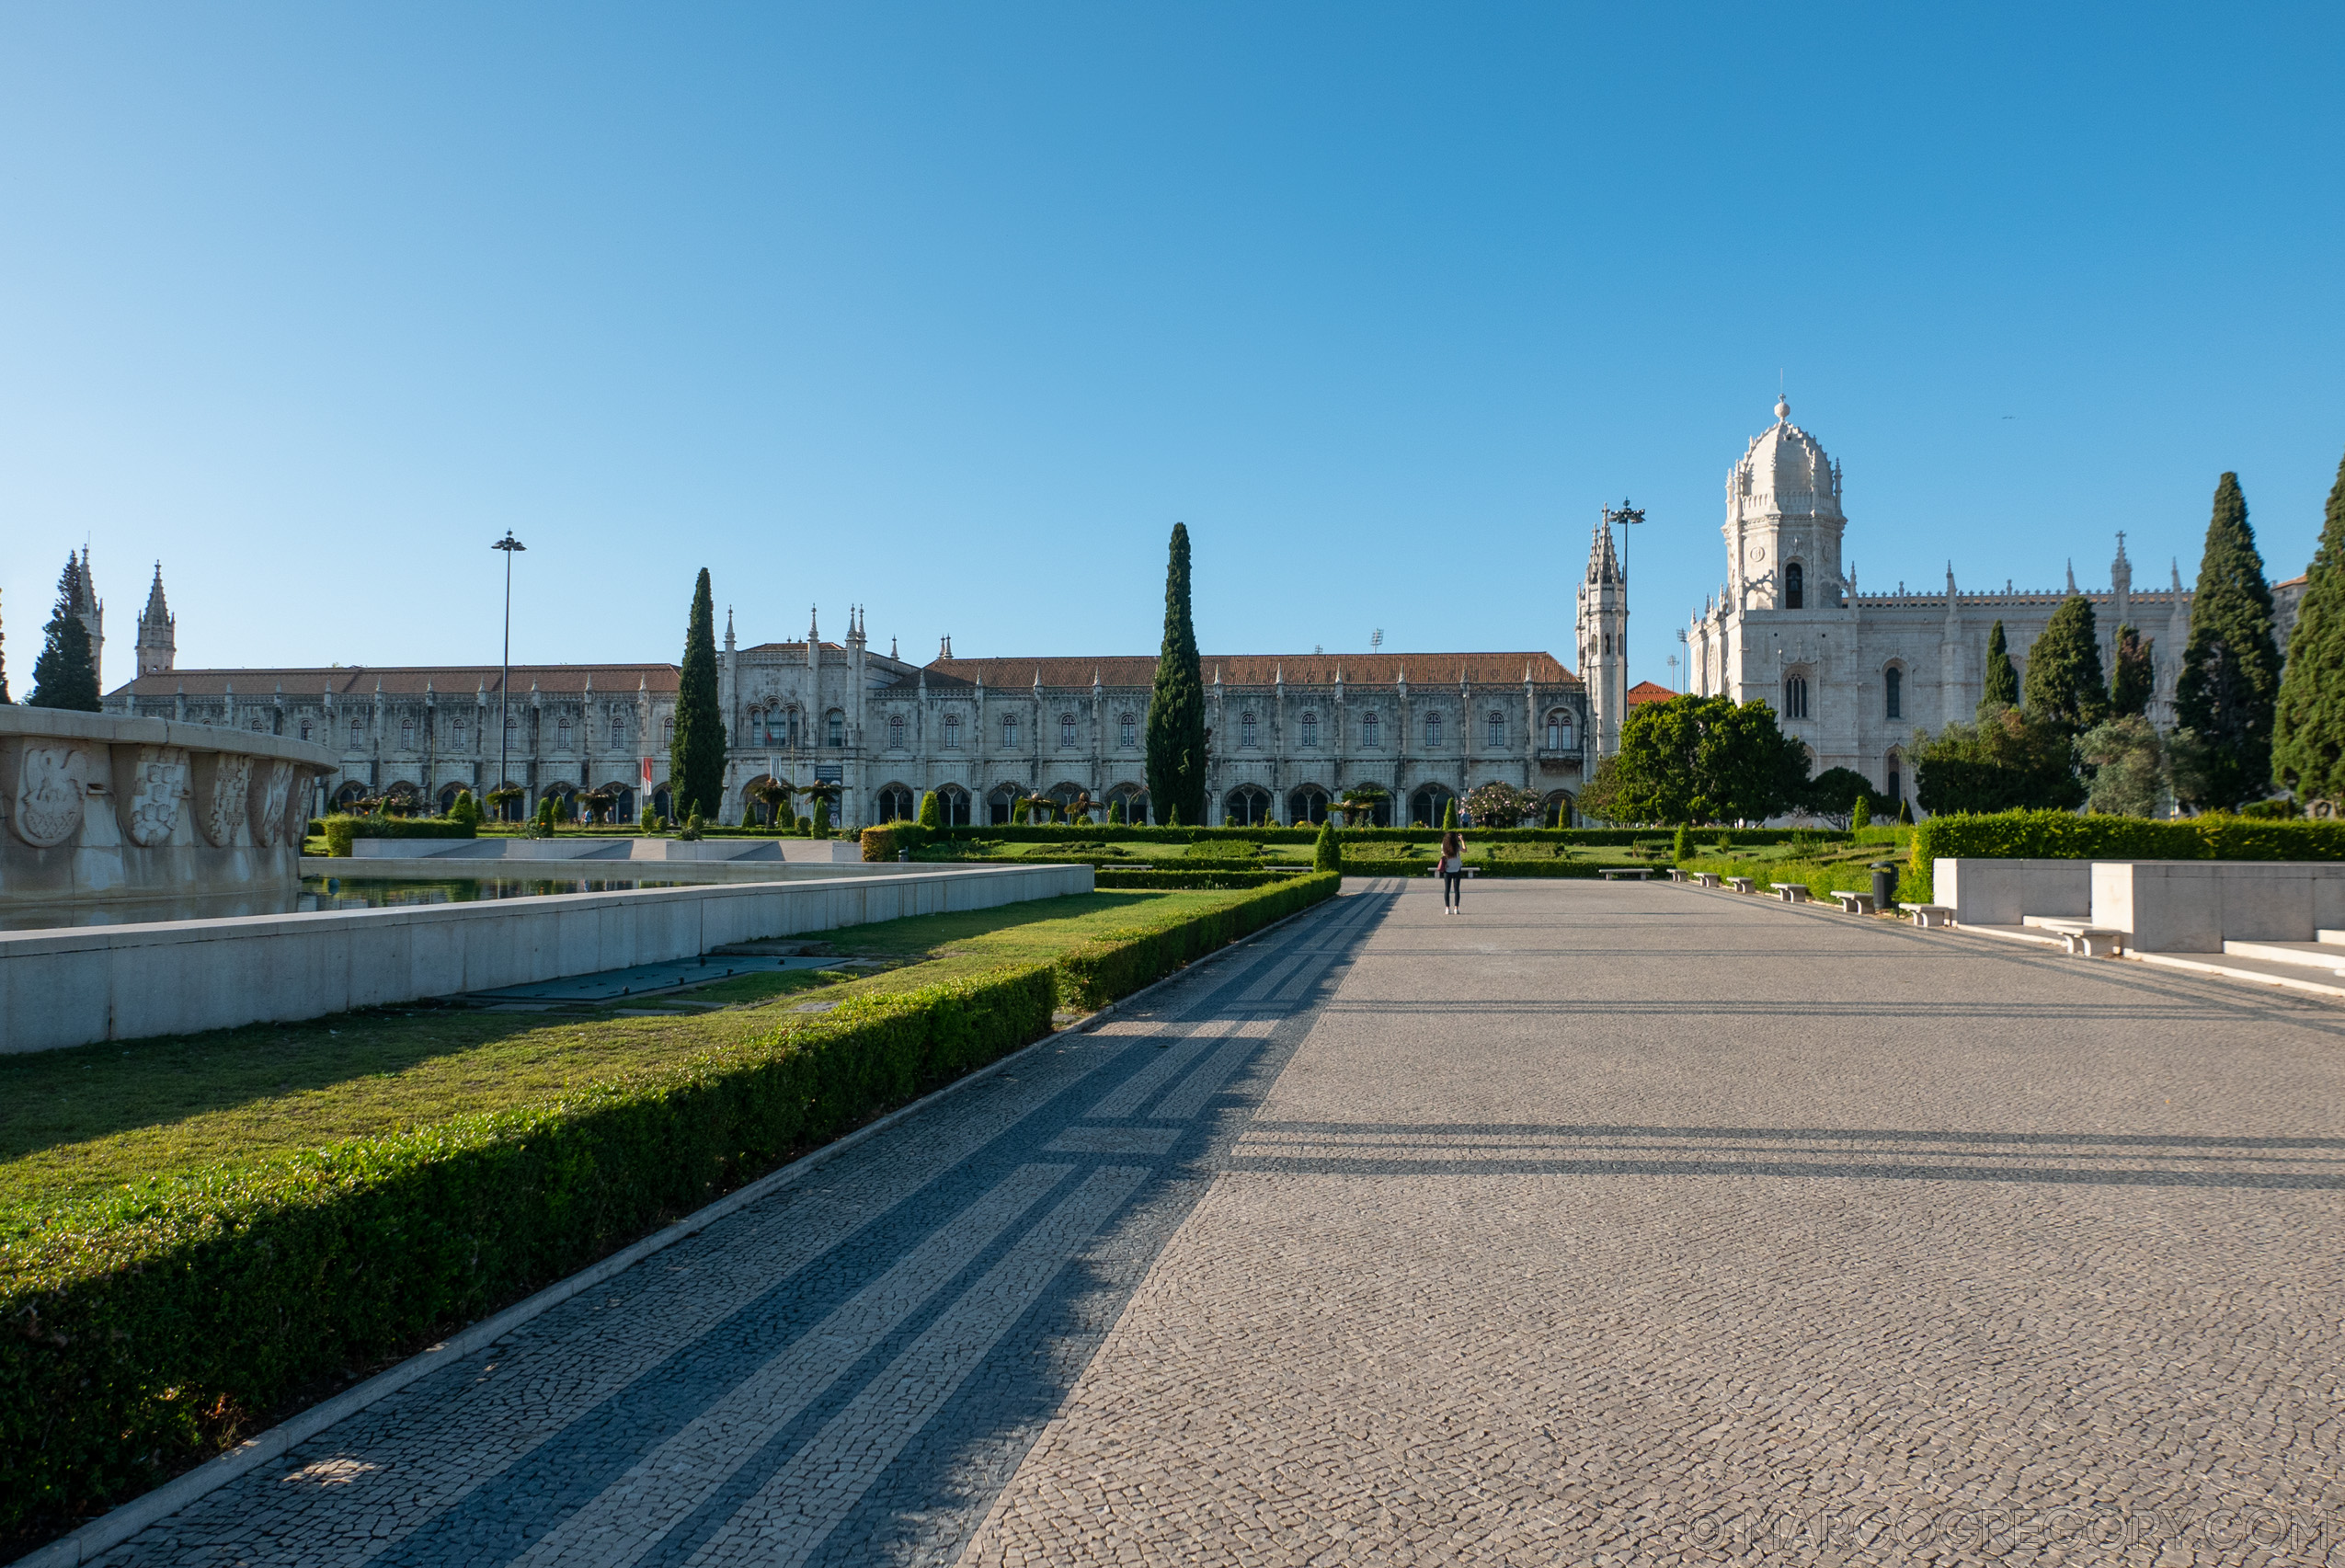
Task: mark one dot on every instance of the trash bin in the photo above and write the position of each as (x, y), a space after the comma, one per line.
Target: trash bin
(1885, 885)
(904, 857)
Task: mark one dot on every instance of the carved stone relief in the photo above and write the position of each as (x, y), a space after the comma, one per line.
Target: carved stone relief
(272, 783)
(51, 783)
(148, 784)
(222, 784)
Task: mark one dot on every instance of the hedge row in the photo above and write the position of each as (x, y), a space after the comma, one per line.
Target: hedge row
(1096, 973)
(155, 1325)
(882, 842)
(340, 829)
(2059, 835)
(1129, 876)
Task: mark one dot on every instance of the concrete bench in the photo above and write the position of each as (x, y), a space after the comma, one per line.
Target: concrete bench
(1931, 916)
(1677, 875)
(1854, 903)
(1742, 884)
(2084, 939)
(1613, 873)
(1706, 878)
(1791, 892)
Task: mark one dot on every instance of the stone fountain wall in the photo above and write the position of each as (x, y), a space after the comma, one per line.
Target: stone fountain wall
(105, 819)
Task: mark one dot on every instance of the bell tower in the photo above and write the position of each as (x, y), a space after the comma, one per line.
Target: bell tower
(1604, 640)
(158, 640)
(1784, 523)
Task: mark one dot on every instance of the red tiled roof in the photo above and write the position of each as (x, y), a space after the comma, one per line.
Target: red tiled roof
(1646, 692)
(361, 681)
(1425, 670)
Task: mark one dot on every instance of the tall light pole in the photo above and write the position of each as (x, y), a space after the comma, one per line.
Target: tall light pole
(505, 674)
(1626, 516)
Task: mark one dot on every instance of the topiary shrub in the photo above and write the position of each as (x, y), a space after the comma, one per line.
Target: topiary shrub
(1327, 854)
(932, 810)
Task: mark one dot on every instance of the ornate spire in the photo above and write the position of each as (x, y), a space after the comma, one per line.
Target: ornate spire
(728, 629)
(2072, 576)
(157, 640)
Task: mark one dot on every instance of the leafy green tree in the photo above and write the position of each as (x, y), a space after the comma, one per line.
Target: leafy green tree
(2308, 723)
(932, 810)
(2002, 677)
(1600, 798)
(2006, 761)
(1327, 850)
(64, 675)
(2135, 681)
(2065, 681)
(2231, 669)
(1840, 796)
(464, 809)
(696, 758)
(2129, 767)
(1176, 743)
(649, 822)
(1705, 760)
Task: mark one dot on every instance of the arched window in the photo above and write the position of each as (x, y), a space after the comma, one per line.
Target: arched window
(460, 735)
(1795, 697)
(1795, 587)
(304, 729)
(1497, 728)
(562, 735)
(951, 732)
(895, 733)
(1432, 730)
(1127, 732)
(1311, 731)
(835, 728)
(1066, 730)
(1559, 730)
(1246, 731)
(1009, 729)
(666, 737)
(1893, 691)
(618, 734)
(1371, 730)
(1896, 779)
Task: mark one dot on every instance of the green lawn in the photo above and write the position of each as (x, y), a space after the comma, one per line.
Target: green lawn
(75, 1121)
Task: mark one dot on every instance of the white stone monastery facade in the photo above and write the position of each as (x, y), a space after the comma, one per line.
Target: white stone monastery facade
(1853, 675)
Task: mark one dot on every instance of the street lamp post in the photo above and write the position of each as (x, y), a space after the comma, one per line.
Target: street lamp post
(1626, 516)
(505, 674)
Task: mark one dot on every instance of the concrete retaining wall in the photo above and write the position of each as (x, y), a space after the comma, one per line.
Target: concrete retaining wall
(123, 982)
(444, 868)
(2195, 906)
(1998, 892)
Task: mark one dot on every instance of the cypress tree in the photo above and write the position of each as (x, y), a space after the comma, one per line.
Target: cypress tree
(4, 666)
(2064, 682)
(1449, 815)
(1327, 852)
(2134, 679)
(1176, 706)
(696, 758)
(1116, 812)
(65, 676)
(2308, 723)
(932, 810)
(2231, 669)
(821, 816)
(2002, 680)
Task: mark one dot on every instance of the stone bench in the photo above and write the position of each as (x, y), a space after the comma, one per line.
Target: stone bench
(1854, 903)
(1931, 916)
(1742, 884)
(1791, 892)
(1677, 875)
(2084, 939)
(1613, 873)
(1706, 878)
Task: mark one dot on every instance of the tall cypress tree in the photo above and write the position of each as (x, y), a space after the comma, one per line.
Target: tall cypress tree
(4, 666)
(2231, 669)
(2065, 682)
(696, 757)
(2002, 680)
(1176, 706)
(2308, 723)
(65, 676)
(2135, 681)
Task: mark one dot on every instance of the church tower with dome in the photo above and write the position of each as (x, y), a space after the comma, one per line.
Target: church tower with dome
(1852, 676)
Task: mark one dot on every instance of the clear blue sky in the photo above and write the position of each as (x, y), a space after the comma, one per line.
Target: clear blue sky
(954, 310)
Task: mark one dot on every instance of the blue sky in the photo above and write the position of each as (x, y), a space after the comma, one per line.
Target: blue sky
(954, 311)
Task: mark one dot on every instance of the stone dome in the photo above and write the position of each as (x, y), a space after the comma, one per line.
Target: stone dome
(1785, 471)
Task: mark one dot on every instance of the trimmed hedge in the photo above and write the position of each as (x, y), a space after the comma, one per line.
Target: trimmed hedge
(161, 1323)
(2059, 835)
(1107, 877)
(883, 841)
(1096, 973)
(1110, 834)
(340, 829)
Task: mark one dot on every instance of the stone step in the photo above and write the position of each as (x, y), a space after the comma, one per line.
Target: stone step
(2326, 956)
(2334, 938)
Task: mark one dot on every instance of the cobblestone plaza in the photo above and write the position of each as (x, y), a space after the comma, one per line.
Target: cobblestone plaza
(1603, 1224)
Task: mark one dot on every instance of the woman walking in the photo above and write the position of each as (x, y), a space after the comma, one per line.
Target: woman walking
(1453, 874)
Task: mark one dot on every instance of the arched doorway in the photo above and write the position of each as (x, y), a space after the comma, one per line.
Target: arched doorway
(761, 804)
(1133, 799)
(1556, 810)
(1307, 805)
(895, 803)
(953, 805)
(1429, 804)
(663, 804)
(1248, 806)
(350, 795)
(1000, 803)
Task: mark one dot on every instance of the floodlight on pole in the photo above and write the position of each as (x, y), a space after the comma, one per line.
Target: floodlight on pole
(1626, 516)
(505, 672)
